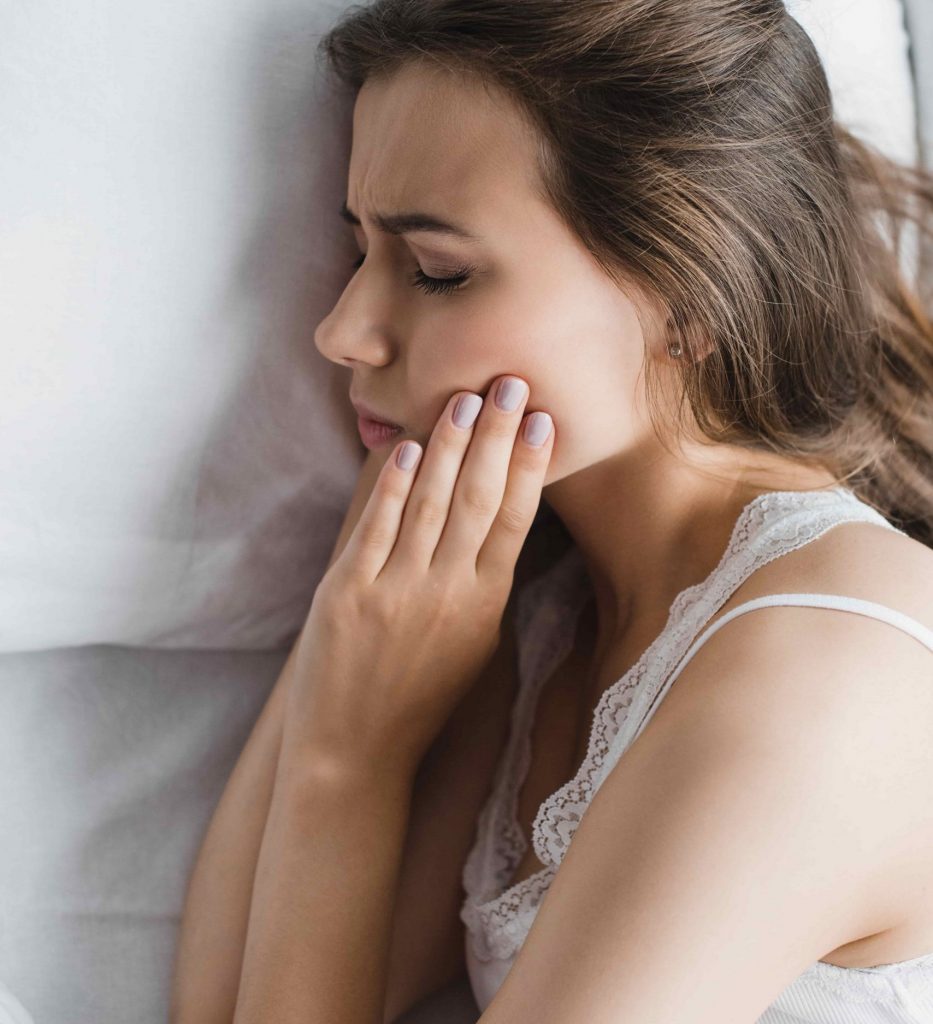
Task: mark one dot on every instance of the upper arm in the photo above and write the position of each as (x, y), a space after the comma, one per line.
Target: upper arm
(727, 849)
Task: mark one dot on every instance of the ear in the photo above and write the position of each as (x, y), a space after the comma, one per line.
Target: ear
(694, 344)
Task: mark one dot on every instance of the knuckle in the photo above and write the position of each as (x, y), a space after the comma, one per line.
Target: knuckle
(480, 501)
(501, 582)
(525, 462)
(450, 438)
(491, 611)
(336, 606)
(395, 488)
(443, 597)
(376, 535)
(447, 598)
(501, 426)
(381, 609)
(428, 510)
(513, 519)
(333, 616)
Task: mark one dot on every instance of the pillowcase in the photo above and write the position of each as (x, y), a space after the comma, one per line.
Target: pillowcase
(176, 455)
(919, 21)
(865, 50)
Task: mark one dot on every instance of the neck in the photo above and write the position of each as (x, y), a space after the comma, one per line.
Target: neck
(648, 526)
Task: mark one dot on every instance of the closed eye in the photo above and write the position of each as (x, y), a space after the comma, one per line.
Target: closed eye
(432, 285)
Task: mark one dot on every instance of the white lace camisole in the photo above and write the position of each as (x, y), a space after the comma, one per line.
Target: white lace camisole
(498, 916)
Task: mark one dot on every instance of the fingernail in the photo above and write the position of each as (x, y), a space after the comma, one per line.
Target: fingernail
(537, 428)
(407, 455)
(509, 393)
(466, 410)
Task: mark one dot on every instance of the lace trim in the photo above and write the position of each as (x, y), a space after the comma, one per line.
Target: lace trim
(871, 984)
(861, 984)
(499, 917)
(501, 845)
(772, 525)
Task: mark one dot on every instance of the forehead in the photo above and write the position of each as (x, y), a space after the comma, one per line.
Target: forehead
(434, 140)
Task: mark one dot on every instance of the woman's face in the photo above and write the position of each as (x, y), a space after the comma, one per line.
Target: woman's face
(533, 302)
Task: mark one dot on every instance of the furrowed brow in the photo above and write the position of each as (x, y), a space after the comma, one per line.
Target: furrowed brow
(403, 223)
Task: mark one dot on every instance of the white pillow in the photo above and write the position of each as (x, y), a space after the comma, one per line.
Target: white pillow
(176, 455)
(865, 49)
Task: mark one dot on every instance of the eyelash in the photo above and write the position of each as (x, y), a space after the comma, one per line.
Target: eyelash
(431, 285)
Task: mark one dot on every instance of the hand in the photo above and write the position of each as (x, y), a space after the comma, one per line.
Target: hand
(409, 613)
(369, 473)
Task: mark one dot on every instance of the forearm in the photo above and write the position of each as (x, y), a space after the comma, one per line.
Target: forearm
(209, 954)
(323, 899)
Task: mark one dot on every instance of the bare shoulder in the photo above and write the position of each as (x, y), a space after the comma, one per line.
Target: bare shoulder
(856, 657)
(847, 650)
(839, 698)
(828, 665)
(888, 563)
(860, 560)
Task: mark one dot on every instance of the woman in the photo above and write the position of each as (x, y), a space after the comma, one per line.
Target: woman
(642, 214)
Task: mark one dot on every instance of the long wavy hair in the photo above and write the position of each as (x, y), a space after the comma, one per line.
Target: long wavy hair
(692, 147)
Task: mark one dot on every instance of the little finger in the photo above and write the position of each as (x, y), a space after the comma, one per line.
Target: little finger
(376, 533)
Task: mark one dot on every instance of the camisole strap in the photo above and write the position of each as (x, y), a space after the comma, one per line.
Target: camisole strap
(840, 601)
(871, 609)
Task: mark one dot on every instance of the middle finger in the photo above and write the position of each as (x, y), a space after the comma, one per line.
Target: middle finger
(429, 501)
(483, 478)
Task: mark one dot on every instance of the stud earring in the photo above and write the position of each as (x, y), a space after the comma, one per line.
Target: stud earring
(675, 349)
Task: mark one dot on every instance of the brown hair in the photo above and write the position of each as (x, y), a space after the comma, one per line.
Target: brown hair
(692, 147)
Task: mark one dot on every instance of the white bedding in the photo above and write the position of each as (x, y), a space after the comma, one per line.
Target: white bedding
(176, 456)
(175, 452)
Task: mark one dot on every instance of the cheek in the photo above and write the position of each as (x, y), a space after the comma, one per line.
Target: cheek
(585, 373)
(470, 347)
(580, 354)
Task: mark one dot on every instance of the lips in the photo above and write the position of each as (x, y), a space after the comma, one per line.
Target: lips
(370, 414)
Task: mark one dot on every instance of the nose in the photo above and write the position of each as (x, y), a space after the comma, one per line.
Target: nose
(356, 329)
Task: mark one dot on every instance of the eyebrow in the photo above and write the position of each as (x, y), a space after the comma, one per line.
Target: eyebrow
(402, 223)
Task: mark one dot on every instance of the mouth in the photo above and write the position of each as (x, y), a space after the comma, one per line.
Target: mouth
(366, 413)
(375, 434)
(374, 431)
